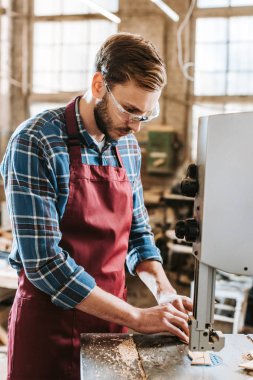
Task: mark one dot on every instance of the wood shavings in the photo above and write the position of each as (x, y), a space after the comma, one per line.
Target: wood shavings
(248, 355)
(128, 351)
(247, 365)
(181, 348)
(248, 361)
(200, 358)
(129, 354)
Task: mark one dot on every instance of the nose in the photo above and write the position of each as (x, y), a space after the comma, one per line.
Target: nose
(135, 126)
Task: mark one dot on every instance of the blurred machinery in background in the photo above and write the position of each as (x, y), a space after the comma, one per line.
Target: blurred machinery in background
(162, 150)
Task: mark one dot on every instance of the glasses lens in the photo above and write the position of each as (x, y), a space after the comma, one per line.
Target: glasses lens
(131, 117)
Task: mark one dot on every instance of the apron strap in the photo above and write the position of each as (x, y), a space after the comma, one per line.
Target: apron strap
(74, 142)
(121, 165)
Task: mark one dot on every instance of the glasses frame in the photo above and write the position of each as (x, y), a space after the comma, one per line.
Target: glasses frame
(131, 116)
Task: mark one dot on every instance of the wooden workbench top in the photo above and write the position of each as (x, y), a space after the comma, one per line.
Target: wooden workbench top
(156, 357)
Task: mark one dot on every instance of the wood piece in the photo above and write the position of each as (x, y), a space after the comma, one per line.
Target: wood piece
(224, 12)
(4, 313)
(2, 193)
(6, 293)
(6, 237)
(6, 234)
(159, 162)
(248, 355)
(5, 244)
(200, 358)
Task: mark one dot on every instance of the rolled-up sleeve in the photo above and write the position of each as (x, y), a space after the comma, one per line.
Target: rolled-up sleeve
(141, 243)
(32, 194)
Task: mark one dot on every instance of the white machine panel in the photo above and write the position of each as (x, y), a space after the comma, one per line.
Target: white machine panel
(224, 205)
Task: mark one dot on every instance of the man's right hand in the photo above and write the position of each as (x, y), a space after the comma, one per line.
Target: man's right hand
(162, 318)
(157, 319)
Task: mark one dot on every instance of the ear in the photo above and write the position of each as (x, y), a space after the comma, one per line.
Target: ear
(98, 86)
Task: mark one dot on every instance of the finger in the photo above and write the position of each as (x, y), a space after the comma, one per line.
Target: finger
(177, 332)
(179, 322)
(178, 304)
(187, 302)
(171, 309)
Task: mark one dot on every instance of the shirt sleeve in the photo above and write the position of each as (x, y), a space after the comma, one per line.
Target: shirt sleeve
(32, 195)
(141, 242)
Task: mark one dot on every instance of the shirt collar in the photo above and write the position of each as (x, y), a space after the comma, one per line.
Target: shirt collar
(89, 142)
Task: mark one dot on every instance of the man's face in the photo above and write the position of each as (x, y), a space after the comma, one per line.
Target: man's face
(115, 124)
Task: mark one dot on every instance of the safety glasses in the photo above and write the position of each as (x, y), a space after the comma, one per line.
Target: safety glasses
(131, 117)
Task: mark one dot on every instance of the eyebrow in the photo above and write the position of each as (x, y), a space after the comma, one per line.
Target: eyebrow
(134, 108)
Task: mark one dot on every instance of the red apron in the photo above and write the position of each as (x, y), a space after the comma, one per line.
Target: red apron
(44, 340)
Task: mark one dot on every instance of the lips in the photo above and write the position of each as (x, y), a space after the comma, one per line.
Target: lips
(125, 132)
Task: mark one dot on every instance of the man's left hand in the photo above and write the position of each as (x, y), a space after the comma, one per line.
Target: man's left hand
(181, 303)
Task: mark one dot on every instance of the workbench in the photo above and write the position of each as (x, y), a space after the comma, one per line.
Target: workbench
(156, 357)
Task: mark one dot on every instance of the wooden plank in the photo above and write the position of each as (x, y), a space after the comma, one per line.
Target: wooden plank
(73, 17)
(4, 313)
(220, 99)
(223, 11)
(200, 358)
(6, 293)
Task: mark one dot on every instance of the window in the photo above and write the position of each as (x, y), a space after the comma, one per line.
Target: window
(63, 7)
(4, 47)
(223, 75)
(36, 108)
(66, 37)
(224, 56)
(64, 53)
(223, 3)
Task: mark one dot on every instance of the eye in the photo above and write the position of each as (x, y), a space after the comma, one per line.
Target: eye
(131, 110)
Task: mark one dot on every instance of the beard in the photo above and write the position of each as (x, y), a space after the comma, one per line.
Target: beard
(105, 123)
(101, 115)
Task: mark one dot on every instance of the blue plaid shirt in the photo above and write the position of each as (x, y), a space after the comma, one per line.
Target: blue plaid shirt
(35, 170)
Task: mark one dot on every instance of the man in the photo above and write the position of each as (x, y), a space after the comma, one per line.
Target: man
(72, 179)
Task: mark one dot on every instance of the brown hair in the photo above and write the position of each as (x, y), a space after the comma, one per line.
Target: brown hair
(125, 56)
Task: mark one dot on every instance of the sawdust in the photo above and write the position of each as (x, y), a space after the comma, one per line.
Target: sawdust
(129, 356)
(128, 351)
(247, 361)
(248, 355)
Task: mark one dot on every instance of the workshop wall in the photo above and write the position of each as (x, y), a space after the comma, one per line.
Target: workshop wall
(145, 18)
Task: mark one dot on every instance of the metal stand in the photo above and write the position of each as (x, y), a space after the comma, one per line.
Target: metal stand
(202, 335)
